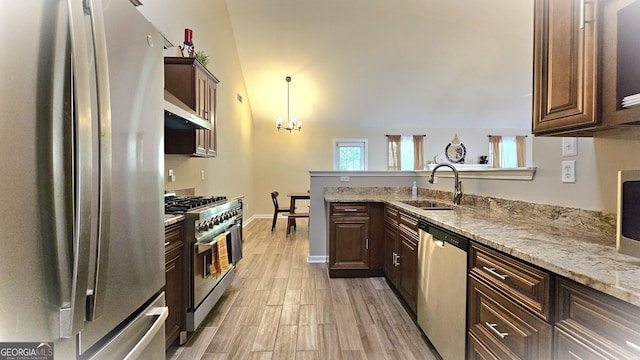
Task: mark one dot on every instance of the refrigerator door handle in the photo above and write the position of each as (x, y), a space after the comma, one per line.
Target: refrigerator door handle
(95, 301)
(75, 276)
(162, 313)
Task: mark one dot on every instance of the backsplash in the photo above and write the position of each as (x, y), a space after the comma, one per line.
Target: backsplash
(548, 214)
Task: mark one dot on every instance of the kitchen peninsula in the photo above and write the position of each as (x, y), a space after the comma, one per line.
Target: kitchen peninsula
(538, 275)
(575, 244)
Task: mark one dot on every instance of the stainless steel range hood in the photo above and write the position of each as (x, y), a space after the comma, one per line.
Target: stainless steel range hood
(177, 115)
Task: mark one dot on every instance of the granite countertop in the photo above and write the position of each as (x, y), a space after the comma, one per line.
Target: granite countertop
(586, 256)
(172, 219)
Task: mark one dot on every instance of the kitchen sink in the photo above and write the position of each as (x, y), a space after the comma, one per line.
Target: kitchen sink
(429, 205)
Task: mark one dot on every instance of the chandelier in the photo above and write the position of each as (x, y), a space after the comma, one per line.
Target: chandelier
(292, 124)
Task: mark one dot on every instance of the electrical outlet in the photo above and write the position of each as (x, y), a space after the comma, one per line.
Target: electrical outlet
(201, 174)
(344, 178)
(435, 179)
(569, 171)
(172, 177)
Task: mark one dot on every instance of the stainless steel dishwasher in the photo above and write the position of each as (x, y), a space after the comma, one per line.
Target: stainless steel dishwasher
(442, 289)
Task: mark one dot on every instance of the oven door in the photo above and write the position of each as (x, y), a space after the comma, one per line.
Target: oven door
(210, 264)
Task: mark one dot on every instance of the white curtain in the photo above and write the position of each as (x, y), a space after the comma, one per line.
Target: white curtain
(395, 162)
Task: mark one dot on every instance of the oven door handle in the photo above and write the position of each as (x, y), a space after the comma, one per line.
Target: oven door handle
(212, 242)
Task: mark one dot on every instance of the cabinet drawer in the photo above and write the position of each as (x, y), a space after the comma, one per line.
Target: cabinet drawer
(409, 221)
(349, 209)
(391, 215)
(477, 350)
(612, 324)
(525, 284)
(172, 237)
(569, 347)
(504, 327)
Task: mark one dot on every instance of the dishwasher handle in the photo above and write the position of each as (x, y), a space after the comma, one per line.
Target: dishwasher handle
(444, 235)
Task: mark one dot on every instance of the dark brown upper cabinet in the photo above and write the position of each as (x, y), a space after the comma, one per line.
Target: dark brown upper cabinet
(585, 72)
(189, 81)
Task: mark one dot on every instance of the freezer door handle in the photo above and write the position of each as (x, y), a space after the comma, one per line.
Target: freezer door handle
(73, 274)
(161, 313)
(98, 283)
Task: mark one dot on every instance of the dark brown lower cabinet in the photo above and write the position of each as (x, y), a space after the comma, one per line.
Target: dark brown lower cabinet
(593, 325)
(509, 305)
(174, 293)
(401, 254)
(506, 329)
(356, 231)
(351, 243)
(408, 266)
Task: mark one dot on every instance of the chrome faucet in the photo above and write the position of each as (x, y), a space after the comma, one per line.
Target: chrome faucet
(457, 194)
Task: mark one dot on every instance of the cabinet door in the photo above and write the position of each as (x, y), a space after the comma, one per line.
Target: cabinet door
(408, 265)
(174, 295)
(621, 51)
(202, 88)
(349, 238)
(566, 76)
(390, 252)
(202, 109)
(211, 107)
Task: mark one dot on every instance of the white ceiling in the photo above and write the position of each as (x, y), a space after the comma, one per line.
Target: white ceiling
(388, 63)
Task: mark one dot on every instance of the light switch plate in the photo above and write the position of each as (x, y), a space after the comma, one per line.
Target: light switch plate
(344, 178)
(569, 146)
(569, 171)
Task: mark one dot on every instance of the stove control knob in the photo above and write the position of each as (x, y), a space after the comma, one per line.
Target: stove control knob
(217, 221)
(211, 224)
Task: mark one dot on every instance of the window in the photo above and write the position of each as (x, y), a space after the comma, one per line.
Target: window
(507, 151)
(406, 152)
(350, 155)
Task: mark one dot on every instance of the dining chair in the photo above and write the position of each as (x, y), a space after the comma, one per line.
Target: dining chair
(277, 209)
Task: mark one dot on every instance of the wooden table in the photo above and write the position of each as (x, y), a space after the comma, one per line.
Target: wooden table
(293, 215)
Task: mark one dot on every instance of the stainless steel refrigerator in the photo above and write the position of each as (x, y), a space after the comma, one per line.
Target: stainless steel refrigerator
(81, 217)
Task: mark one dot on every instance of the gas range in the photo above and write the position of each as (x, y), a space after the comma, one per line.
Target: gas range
(212, 235)
(181, 204)
(205, 216)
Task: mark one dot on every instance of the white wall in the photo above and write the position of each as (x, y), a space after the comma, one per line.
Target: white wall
(231, 172)
(255, 159)
(598, 161)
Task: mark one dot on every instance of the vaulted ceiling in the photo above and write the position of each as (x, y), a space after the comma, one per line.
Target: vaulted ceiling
(387, 63)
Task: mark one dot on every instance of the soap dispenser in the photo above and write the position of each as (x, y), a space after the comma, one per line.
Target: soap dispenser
(414, 191)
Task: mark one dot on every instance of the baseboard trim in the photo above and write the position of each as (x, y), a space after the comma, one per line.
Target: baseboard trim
(248, 221)
(317, 259)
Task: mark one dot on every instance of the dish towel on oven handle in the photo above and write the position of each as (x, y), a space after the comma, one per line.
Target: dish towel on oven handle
(236, 243)
(223, 257)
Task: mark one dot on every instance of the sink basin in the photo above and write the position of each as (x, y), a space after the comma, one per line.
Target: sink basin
(430, 205)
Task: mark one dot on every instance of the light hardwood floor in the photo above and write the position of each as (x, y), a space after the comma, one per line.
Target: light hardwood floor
(281, 307)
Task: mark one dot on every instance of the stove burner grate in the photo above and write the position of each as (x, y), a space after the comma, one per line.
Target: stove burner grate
(182, 204)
